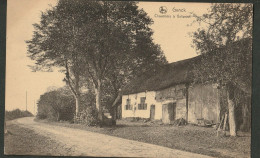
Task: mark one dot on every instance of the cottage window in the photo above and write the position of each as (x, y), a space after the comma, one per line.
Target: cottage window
(142, 105)
(128, 105)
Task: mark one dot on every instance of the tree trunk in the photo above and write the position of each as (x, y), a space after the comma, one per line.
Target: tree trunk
(77, 104)
(58, 116)
(246, 118)
(231, 111)
(187, 102)
(74, 89)
(113, 114)
(77, 94)
(5, 128)
(225, 122)
(98, 100)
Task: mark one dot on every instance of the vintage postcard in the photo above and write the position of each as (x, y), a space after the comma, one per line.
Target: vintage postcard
(128, 79)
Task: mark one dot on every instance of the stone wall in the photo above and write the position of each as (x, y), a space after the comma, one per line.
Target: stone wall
(203, 103)
(181, 108)
(175, 94)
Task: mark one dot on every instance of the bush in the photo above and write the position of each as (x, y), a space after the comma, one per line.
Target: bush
(56, 105)
(41, 116)
(17, 113)
(88, 117)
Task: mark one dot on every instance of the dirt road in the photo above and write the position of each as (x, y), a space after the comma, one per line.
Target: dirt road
(84, 143)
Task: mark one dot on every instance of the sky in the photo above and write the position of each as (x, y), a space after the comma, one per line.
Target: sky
(170, 32)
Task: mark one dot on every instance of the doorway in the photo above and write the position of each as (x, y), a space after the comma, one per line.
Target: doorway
(152, 112)
(168, 113)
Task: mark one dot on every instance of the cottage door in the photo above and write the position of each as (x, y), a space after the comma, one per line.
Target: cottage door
(152, 112)
(198, 111)
(165, 115)
(172, 111)
(168, 113)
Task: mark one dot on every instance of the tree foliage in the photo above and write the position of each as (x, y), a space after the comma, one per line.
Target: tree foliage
(226, 45)
(224, 24)
(17, 113)
(228, 65)
(108, 43)
(54, 45)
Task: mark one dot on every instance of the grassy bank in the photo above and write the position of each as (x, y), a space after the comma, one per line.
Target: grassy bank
(189, 138)
(23, 141)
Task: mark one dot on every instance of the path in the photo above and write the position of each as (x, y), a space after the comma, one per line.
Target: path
(85, 143)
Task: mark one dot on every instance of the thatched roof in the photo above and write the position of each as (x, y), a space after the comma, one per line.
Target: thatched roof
(165, 76)
(181, 72)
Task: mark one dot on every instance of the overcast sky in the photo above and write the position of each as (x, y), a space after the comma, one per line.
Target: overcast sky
(170, 33)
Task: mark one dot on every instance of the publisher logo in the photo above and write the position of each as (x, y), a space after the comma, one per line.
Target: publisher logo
(163, 10)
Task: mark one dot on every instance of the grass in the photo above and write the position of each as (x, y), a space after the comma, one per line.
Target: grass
(17, 143)
(188, 138)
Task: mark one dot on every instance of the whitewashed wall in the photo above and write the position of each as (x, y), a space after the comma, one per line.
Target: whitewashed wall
(158, 98)
(203, 100)
(135, 100)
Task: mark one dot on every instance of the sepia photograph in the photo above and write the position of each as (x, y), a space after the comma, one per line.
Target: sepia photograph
(128, 79)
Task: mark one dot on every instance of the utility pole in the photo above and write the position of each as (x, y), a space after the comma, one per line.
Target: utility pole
(26, 102)
(34, 108)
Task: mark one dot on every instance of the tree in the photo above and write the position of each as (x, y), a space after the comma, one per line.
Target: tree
(113, 39)
(126, 48)
(53, 45)
(226, 47)
(17, 113)
(107, 42)
(122, 74)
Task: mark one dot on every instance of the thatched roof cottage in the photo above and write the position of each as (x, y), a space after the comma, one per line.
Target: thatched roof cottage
(169, 93)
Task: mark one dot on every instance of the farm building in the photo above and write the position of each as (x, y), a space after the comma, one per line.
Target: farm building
(169, 93)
